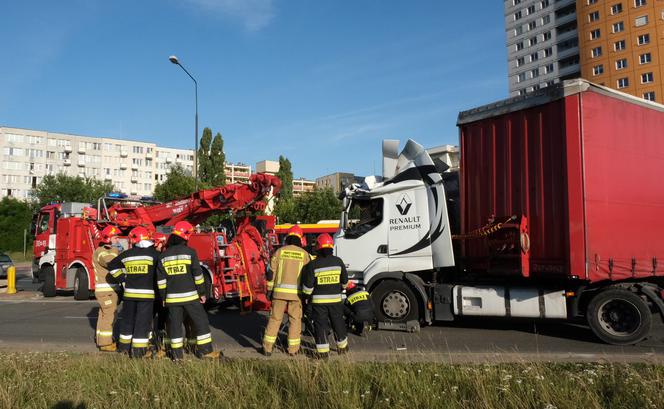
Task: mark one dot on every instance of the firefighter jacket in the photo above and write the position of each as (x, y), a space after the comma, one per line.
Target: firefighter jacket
(324, 279)
(179, 276)
(283, 277)
(359, 305)
(136, 267)
(101, 258)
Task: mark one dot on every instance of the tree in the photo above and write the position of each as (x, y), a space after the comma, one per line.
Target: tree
(15, 216)
(311, 207)
(65, 188)
(179, 183)
(204, 155)
(285, 173)
(217, 172)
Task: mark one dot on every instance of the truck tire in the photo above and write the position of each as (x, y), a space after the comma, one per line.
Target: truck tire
(394, 301)
(81, 285)
(619, 317)
(47, 275)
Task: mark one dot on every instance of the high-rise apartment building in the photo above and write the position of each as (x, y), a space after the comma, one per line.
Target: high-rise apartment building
(542, 43)
(133, 167)
(620, 43)
(300, 185)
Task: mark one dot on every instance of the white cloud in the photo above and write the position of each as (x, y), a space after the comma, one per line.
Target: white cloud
(253, 14)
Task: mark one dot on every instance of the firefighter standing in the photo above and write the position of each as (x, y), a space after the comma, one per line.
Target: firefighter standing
(136, 267)
(323, 281)
(358, 308)
(283, 282)
(182, 285)
(105, 291)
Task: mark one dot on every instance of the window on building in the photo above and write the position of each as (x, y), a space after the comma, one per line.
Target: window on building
(533, 57)
(519, 46)
(650, 95)
(598, 69)
(616, 8)
(548, 52)
(532, 25)
(595, 34)
(641, 21)
(544, 4)
(515, 2)
(619, 45)
(138, 149)
(548, 69)
(521, 77)
(518, 31)
(531, 9)
(517, 15)
(643, 39)
(534, 73)
(596, 52)
(532, 41)
(546, 36)
(594, 16)
(623, 83)
(618, 27)
(621, 64)
(647, 78)
(645, 58)
(639, 3)
(546, 19)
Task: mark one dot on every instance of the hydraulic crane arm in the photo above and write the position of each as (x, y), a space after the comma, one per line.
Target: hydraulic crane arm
(201, 205)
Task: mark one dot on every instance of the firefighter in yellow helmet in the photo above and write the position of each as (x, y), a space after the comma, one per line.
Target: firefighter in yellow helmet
(106, 292)
(283, 283)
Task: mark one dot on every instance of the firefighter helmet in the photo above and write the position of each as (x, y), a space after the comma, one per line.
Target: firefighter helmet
(296, 230)
(159, 237)
(324, 241)
(138, 234)
(108, 233)
(183, 229)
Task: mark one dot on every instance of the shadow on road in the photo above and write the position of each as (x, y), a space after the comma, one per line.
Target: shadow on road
(92, 317)
(245, 328)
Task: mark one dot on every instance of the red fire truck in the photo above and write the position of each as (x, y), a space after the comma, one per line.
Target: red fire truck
(66, 235)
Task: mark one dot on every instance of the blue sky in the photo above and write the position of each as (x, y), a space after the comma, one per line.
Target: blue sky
(321, 82)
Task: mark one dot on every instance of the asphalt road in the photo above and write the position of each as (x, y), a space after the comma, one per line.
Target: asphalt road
(31, 323)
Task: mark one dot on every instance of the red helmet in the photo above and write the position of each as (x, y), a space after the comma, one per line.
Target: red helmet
(108, 233)
(350, 285)
(183, 229)
(139, 233)
(324, 241)
(159, 237)
(296, 230)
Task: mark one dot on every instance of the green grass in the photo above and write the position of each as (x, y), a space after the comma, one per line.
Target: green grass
(51, 380)
(17, 256)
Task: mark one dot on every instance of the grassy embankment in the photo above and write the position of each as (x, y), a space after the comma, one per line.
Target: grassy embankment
(48, 380)
(17, 256)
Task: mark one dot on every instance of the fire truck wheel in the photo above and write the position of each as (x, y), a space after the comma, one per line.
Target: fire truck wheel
(81, 285)
(619, 317)
(394, 301)
(47, 275)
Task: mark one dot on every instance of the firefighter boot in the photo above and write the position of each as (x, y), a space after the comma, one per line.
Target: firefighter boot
(266, 352)
(108, 348)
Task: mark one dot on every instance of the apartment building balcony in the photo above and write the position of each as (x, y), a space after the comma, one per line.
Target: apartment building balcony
(67, 162)
(123, 153)
(149, 155)
(134, 179)
(68, 149)
(134, 166)
(134, 191)
(123, 166)
(81, 163)
(108, 177)
(168, 159)
(81, 148)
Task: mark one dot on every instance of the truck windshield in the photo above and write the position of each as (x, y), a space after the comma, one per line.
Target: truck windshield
(370, 214)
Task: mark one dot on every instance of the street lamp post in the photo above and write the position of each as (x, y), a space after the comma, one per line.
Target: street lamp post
(175, 61)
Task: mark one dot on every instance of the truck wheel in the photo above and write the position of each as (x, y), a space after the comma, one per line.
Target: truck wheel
(81, 286)
(47, 275)
(394, 301)
(619, 317)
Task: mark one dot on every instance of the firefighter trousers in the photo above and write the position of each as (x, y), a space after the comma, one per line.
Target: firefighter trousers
(323, 316)
(135, 327)
(199, 323)
(108, 304)
(294, 324)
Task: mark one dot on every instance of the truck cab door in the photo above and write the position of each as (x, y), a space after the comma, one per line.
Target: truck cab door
(363, 243)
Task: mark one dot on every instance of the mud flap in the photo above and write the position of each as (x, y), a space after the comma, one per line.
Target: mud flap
(408, 326)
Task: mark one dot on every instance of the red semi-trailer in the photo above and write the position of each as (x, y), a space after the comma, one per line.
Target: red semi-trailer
(558, 213)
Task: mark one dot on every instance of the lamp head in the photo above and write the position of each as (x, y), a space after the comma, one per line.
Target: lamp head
(174, 59)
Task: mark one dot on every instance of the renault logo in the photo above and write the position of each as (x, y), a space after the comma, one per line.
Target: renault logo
(403, 205)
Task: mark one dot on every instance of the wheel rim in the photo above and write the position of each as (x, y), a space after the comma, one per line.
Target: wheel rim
(620, 318)
(76, 285)
(396, 305)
